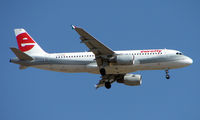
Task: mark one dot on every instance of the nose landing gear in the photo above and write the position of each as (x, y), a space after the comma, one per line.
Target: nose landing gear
(108, 85)
(167, 74)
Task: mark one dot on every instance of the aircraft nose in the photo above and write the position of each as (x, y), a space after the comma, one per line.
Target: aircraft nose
(188, 61)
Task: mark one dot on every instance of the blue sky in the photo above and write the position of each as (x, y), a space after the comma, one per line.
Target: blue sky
(34, 94)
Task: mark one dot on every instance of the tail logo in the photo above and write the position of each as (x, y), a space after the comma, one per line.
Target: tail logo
(25, 42)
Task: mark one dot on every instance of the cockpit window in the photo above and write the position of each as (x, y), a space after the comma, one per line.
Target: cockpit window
(178, 53)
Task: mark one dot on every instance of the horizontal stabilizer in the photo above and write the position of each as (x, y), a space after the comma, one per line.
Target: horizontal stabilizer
(21, 55)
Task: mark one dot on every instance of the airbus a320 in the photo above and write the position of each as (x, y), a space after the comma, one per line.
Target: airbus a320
(113, 66)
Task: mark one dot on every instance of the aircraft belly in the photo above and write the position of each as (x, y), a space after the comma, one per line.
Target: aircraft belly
(115, 69)
(159, 66)
(65, 68)
(120, 69)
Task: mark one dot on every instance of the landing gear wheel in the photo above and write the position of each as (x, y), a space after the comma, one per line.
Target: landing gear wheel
(103, 71)
(167, 77)
(167, 74)
(108, 85)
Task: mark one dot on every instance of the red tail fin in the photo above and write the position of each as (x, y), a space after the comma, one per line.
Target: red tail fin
(27, 44)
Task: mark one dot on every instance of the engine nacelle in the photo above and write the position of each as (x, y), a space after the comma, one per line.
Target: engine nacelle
(123, 59)
(131, 80)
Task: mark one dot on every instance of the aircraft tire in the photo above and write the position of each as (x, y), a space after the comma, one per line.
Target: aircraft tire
(167, 77)
(108, 85)
(103, 71)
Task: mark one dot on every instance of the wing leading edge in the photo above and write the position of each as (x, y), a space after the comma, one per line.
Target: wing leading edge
(93, 44)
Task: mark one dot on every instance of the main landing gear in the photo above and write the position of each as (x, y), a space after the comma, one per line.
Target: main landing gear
(103, 71)
(167, 74)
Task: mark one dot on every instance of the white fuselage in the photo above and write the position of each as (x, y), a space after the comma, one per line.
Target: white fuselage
(155, 59)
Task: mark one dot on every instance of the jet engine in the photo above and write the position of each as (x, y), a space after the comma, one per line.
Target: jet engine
(123, 59)
(131, 79)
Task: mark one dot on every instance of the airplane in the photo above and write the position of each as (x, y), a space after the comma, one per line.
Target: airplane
(113, 66)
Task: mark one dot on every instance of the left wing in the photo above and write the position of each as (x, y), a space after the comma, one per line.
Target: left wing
(99, 49)
(93, 44)
(102, 54)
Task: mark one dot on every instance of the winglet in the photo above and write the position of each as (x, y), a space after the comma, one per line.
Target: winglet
(96, 86)
(73, 27)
